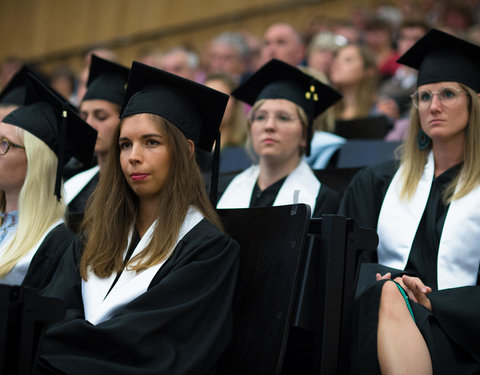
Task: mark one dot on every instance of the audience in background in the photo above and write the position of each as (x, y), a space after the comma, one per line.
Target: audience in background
(283, 42)
(321, 50)
(227, 53)
(182, 62)
(379, 38)
(354, 74)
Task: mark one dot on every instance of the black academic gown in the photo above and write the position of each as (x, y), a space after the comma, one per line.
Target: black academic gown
(47, 257)
(180, 325)
(76, 208)
(451, 331)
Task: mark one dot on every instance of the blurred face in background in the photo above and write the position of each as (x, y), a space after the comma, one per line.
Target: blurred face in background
(103, 116)
(347, 67)
(282, 42)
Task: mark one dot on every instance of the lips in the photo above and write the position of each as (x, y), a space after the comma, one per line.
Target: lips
(138, 176)
(269, 141)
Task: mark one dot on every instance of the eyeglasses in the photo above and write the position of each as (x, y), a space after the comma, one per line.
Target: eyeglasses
(5, 145)
(280, 118)
(447, 96)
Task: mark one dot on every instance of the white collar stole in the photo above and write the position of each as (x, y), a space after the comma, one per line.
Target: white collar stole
(75, 184)
(302, 180)
(130, 284)
(459, 251)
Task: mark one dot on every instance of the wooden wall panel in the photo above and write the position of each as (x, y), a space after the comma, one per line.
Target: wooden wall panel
(60, 31)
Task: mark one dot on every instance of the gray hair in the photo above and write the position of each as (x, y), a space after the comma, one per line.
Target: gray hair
(235, 40)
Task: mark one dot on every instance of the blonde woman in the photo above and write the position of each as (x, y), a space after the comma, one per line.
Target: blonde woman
(285, 103)
(33, 236)
(425, 210)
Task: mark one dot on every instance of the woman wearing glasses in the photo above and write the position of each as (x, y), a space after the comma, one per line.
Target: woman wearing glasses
(32, 153)
(285, 103)
(425, 210)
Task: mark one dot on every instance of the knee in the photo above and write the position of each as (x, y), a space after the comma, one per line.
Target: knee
(391, 300)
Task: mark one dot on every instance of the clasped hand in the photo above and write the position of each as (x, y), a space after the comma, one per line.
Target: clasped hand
(415, 288)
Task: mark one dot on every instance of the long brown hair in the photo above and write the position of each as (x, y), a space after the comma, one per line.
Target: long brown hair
(367, 87)
(111, 210)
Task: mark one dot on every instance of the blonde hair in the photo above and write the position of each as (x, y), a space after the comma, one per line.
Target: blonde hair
(249, 144)
(413, 159)
(38, 207)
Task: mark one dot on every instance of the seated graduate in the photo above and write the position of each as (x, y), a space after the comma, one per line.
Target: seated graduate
(100, 107)
(285, 103)
(149, 287)
(35, 139)
(425, 210)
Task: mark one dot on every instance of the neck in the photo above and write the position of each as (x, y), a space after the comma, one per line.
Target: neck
(447, 155)
(349, 102)
(272, 171)
(11, 201)
(102, 159)
(146, 215)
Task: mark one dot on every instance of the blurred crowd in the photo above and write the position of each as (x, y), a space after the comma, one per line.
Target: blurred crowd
(357, 56)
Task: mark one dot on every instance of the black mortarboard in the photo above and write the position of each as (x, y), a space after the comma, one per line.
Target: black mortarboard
(195, 109)
(439, 56)
(279, 80)
(53, 120)
(14, 91)
(106, 81)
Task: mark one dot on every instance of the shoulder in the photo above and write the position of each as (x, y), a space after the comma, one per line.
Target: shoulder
(58, 238)
(381, 173)
(207, 232)
(205, 240)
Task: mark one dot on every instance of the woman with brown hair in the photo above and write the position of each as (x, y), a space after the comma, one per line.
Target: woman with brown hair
(354, 74)
(149, 286)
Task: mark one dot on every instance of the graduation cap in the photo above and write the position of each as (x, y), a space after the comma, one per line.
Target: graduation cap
(279, 80)
(439, 56)
(53, 120)
(106, 81)
(14, 92)
(195, 109)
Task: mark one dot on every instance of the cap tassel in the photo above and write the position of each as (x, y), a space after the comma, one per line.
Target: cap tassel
(61, 153)
(312, 97)
(215, 167)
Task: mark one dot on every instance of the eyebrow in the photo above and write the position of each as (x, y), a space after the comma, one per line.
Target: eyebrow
(148, 135)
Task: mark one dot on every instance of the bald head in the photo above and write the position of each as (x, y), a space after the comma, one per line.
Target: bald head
(284, 43)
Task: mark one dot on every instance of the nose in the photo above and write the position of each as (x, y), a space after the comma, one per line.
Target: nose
(135, 156)
(270, 123)
(90, 120)
(435, 104)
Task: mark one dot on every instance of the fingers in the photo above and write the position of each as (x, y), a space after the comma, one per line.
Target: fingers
(387, 276)
(415, 285)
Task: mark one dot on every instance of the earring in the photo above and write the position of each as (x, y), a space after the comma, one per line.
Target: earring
(423, 140)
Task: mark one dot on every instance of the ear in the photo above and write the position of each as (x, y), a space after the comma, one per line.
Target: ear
(191, 147)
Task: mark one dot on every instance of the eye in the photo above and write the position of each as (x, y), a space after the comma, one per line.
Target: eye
(424, 96)
(152, 142)
(259, 117)
(284, 118)
(124, 145)
(447, 94)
